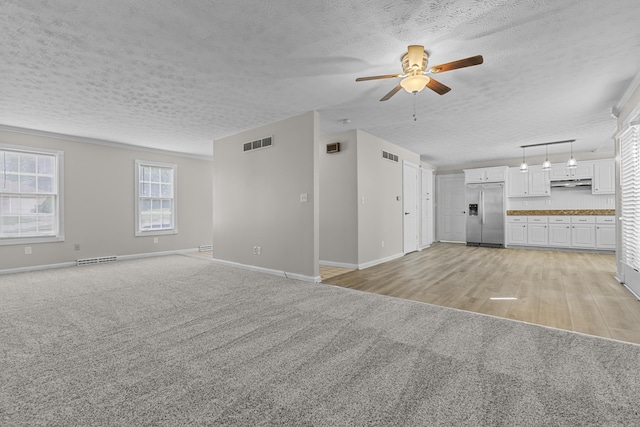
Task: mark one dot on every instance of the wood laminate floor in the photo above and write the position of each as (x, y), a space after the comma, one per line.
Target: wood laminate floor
(576, 291)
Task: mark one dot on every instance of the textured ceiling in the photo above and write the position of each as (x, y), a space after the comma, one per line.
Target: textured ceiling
(177, 75)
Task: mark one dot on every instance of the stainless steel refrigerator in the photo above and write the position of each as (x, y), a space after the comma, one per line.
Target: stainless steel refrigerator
(485, 214)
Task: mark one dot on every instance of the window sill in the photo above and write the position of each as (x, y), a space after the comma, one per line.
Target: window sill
(30, 240)
(156, 232)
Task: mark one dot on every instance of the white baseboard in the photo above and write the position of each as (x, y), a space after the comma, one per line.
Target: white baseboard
(379, 261)
(339, 264)
(73, 263)
(37, 268)
(279, 273)
(152, 254)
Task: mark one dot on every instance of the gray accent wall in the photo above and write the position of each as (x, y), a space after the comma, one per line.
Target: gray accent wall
(99, 203)
(257, 198)
(380, 217)
(361, 200)
(338, 196)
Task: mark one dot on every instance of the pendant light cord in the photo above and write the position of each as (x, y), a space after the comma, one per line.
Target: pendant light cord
(414, 106)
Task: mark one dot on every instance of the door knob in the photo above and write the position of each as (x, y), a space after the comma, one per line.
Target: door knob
(406, 213)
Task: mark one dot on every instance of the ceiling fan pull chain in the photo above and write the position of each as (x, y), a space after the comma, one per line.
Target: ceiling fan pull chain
(414, 107)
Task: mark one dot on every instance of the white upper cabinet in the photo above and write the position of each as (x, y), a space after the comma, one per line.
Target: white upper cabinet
(494, 174)
(534, 182)
(559, 171)
(518, 183)
(604, 177)
(539, 182)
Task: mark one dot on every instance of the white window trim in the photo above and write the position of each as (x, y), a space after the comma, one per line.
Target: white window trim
(59, 237)
(137, 230)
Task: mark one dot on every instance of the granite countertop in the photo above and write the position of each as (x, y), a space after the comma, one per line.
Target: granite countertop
(563, 212)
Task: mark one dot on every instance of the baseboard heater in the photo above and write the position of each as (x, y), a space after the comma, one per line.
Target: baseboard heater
(98, 260)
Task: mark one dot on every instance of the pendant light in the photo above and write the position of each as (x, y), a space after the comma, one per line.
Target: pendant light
(572, 163)
(546, 165)
(523, 166)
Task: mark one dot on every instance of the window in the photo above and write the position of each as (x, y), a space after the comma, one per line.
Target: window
(30, 195)
(155, 198)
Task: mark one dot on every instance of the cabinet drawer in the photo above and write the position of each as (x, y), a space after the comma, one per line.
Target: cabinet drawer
(559, 220)
(516, 219)
(583, 219)
(537, 219)
(608, 219)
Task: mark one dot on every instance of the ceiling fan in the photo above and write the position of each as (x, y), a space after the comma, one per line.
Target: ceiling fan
(414, 79)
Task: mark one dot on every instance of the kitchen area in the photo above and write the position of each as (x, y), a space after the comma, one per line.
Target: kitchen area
(568, 208)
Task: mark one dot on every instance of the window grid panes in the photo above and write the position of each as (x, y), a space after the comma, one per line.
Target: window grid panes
(156, 198)
(28, 194)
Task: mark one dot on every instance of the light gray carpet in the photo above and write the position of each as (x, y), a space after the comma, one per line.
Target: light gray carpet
(180, 340)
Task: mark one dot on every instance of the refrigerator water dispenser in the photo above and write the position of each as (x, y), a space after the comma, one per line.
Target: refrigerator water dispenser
(473, 209)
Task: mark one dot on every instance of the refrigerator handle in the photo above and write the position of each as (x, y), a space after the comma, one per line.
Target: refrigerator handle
(482, 205)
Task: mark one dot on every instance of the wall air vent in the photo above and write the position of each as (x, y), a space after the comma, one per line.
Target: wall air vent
(333, 147)
(205, 248)
(99, 260)
(389, 156)
(265, 142)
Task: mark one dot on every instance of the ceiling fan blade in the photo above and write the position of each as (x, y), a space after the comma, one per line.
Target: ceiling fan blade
(386, 76)
(438, 87)
(460, 63)
(391, 93)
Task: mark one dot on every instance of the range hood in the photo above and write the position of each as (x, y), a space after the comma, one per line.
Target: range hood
(571, 183)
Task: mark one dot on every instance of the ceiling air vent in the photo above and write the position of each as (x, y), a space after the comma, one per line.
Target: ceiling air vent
(389, 156)
(265, 142)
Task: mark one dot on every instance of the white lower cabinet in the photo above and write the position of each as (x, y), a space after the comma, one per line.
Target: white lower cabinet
(517, 230)
(537, 233)
(583, 236)
(605, 232)
(560, 231)
(583, 232)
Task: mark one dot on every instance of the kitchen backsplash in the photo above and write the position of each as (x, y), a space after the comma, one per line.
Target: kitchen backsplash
(564, 198)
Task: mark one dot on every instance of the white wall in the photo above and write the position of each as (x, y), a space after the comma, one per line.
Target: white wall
(257, 198)
(99, 203)
(380, 217)
(339, 201)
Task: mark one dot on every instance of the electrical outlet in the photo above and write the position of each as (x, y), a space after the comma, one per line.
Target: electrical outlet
(27, 250)
(76, 247)
(304, 198)
(259, 250)
(383, 243)
(155, 240)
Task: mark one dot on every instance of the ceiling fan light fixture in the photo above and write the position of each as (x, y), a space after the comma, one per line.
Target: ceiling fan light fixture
(414, 84)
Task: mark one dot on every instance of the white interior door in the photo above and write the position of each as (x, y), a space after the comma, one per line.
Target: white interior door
(451, 211)
(410, 206)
